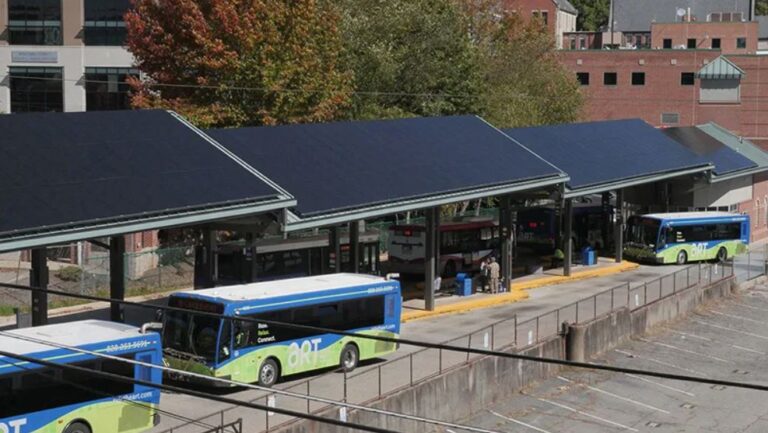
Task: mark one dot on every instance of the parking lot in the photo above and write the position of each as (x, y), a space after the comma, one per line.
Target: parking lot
(727, 340)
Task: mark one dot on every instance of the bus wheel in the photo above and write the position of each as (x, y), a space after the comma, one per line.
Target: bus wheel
(722, 255)
(682, 258)
(77, 427)
(350, 357)
(269, 372)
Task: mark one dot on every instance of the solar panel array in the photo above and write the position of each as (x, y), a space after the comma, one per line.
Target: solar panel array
(725, 159)
(597, 153)
(74, 168)
(346, 165)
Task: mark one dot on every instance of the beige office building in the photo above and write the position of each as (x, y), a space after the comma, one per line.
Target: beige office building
(63, 55)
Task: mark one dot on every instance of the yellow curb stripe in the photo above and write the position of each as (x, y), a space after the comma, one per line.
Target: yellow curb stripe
(576, 276)
(469, 305)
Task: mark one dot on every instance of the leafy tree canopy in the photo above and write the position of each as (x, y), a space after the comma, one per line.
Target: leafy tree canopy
(593, 14)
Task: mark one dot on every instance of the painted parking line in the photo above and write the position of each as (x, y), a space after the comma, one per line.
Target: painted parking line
(589, 415)
(699, 337)
(680, 349)
(518, 422)
(616, 396)
(750, 307)
(666, 364)
(733, 316)
(670, 388)
(727, 328)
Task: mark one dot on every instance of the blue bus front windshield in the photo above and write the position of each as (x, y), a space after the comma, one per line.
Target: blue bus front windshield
(643, 231)
(192, 334)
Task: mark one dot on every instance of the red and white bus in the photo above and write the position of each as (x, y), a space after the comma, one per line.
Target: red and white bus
(463, 246)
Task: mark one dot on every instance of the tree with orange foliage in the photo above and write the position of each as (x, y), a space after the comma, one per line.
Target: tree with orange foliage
(239, 62)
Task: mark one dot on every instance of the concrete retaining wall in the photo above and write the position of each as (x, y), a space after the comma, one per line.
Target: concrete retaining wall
(462, 392)
(454, 395)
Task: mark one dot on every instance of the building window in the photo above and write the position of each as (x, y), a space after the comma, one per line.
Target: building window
(687, 78)
(670, 118)
(36, 89)
(583, 78)
(741, 43)
(104, 23)
(34, 22)
(107, 89)
(573, 43)
(582, 43)
(610, 79)
(716, 43)
(541, 15)
(638, 78)
(667, 44)
(691, 43)
(715, 17)
(720, 91)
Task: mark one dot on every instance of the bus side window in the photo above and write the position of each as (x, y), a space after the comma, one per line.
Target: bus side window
(390, 306)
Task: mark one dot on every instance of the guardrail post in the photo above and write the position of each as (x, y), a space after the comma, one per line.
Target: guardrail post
(515, 330)
(594, 307)
(221, 424)
(411, 361)
(493, 336)
(537, 328)
(688, 276)
(266, 412)
(749, 263)
(577, 311)
(645, 292)
(674, 284)
(469, 345)
(613, 291)
(440, 360)
(309, 409)
(345, 386)
(379, 380)
(557, 320)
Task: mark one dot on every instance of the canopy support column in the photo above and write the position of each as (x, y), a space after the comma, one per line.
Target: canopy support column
(38, 278)
(605, 228)
(619, 225)
(334, 250)
(208, 258)
(430, 259)
(251, 258)
(568, 238)
(116, 277)
(506, 231)
(354, 245)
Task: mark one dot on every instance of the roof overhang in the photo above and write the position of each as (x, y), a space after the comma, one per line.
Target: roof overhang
(114, 227)
(294, 222)
(713, 178)
(642, 180)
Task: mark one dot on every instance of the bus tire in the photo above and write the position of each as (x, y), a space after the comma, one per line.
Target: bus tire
(269, 373)
(682, 258)
(722, 255)
(349, 358)
(77, 427)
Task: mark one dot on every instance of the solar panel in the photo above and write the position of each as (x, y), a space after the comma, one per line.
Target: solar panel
(351, 165)
(725, 159)
(65, 169)
(597, 153)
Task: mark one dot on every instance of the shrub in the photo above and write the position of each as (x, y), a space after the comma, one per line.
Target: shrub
(70, 273)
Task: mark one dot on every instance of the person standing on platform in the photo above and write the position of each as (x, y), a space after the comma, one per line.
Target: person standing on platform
(495, 272)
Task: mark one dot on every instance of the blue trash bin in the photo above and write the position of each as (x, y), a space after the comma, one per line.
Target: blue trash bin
(463, 284)
(588, 256)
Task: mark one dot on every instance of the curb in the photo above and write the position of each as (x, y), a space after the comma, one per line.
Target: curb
(624, 266)
(460, 307)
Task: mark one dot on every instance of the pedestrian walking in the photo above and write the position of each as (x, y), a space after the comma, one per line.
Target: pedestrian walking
(495, 272)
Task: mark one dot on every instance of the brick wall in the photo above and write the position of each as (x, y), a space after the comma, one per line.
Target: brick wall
(705, 32)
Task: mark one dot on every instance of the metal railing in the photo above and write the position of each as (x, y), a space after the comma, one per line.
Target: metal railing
(371, 382)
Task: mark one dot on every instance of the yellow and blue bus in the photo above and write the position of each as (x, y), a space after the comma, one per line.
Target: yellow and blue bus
(686, 237)
(254, 352)
(40, 399)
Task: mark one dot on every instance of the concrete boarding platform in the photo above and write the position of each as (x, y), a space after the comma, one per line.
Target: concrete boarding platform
(414, 309)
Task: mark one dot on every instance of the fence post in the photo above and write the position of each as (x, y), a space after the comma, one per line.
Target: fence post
(309, 410)
(515, 330)
(411, 361)
(469, 345)
(221, 424)
(537, 328)
(688, 276)
(577, 311)
(645, 291)
(557, 320)
(266, 412)
(440, 360)
(629, 294)
(674, 284)
(345, 386)
(379, 380)
(493, 336)
(613, 290)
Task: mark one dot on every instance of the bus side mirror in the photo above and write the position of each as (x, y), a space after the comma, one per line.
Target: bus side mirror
(392, 276)
(159, 315)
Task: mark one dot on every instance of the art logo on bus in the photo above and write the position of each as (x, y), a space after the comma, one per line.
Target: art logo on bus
(13, 426)
(306, 354)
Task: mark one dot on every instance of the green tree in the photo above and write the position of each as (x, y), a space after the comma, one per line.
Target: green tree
(409, 57)
(524, 83)
(761, 7)
(239, 62)
(593, 14)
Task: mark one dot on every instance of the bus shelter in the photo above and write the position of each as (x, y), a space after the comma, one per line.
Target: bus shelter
(95, 175)
(346, 172)
(609, 157)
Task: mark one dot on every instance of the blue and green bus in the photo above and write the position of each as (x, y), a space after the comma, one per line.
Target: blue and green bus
(40, 399)
(254, 352)
(686, 237)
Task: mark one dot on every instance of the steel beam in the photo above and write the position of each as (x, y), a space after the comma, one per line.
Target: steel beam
(568, 238)
(430, 259)
(619, 225)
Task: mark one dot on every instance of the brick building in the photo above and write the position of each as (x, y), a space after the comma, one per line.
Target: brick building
(558, 15)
